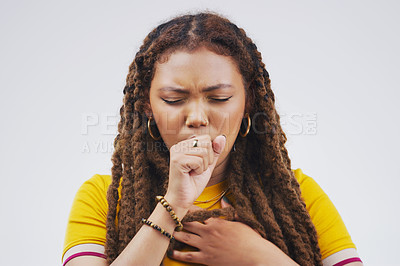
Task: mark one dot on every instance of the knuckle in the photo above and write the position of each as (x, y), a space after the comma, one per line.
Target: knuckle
(173, 147)
(212, 225)
(204, 152)
(186, 238)
(188, 256)
(214, 232)
(174, 159)
(213, 220)
(205, 140)
(197, 160)
(210, 257)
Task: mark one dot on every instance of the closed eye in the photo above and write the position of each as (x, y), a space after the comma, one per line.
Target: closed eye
(172, 102)
(182, 100)
(220, 99)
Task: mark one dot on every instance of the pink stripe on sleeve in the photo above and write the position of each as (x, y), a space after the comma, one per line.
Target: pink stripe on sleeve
(346, 261)
(96, 254)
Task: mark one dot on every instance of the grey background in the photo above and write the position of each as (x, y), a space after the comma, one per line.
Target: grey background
(333, 66)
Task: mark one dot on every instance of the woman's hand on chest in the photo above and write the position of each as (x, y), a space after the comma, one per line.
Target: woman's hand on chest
(222, 242)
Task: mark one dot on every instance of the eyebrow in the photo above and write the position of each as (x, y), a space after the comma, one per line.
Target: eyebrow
(206, 89)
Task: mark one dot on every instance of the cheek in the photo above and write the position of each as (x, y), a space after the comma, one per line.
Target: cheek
(168, 124)
(231, 120)
(235, 126)
(236, 115)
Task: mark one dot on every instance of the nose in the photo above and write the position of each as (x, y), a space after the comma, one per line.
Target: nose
(196, 115)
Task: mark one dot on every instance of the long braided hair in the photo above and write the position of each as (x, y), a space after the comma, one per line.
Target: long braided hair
(266, 192)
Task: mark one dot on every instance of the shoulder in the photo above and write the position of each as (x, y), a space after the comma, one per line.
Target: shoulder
(303, 179)
(97, 181)
(87, 218)
(309, 188)
(332, 233)
(94, 191)
(91, 197)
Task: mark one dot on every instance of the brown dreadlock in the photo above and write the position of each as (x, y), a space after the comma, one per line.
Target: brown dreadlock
(260, 175)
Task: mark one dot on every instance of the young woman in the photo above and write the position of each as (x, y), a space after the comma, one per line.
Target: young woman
(199, 127)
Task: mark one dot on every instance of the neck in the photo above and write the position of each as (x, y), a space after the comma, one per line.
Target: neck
(219, 173)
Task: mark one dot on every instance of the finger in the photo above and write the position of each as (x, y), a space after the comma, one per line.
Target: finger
(210, 151)
(211, 220)
(191, 144)
(194, 164)
(225, 204)
(194, 227)
(207, 143)
(200, 152)
(200, 146)
(206, 158)
(188, 256)
(218, 146)
(203, 148)
(188, 238)
(237, 218)
(198, 141)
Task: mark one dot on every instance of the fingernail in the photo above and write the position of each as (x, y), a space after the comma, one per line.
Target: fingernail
(224, 198)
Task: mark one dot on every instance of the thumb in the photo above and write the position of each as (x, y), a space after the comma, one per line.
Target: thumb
(225, 202)
(218, 146)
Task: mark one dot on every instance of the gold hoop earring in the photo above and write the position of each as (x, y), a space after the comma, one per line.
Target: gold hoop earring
(149, 127)
(248, 126)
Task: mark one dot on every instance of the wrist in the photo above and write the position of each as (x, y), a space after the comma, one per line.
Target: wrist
(177, 208)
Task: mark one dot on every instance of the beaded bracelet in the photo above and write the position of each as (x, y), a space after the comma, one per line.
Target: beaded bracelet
(165, 204)
(162, 231)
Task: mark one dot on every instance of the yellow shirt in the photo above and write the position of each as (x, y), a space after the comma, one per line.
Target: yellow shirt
(87, 220)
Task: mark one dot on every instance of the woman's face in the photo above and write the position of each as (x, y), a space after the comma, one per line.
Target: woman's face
(197, 93)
